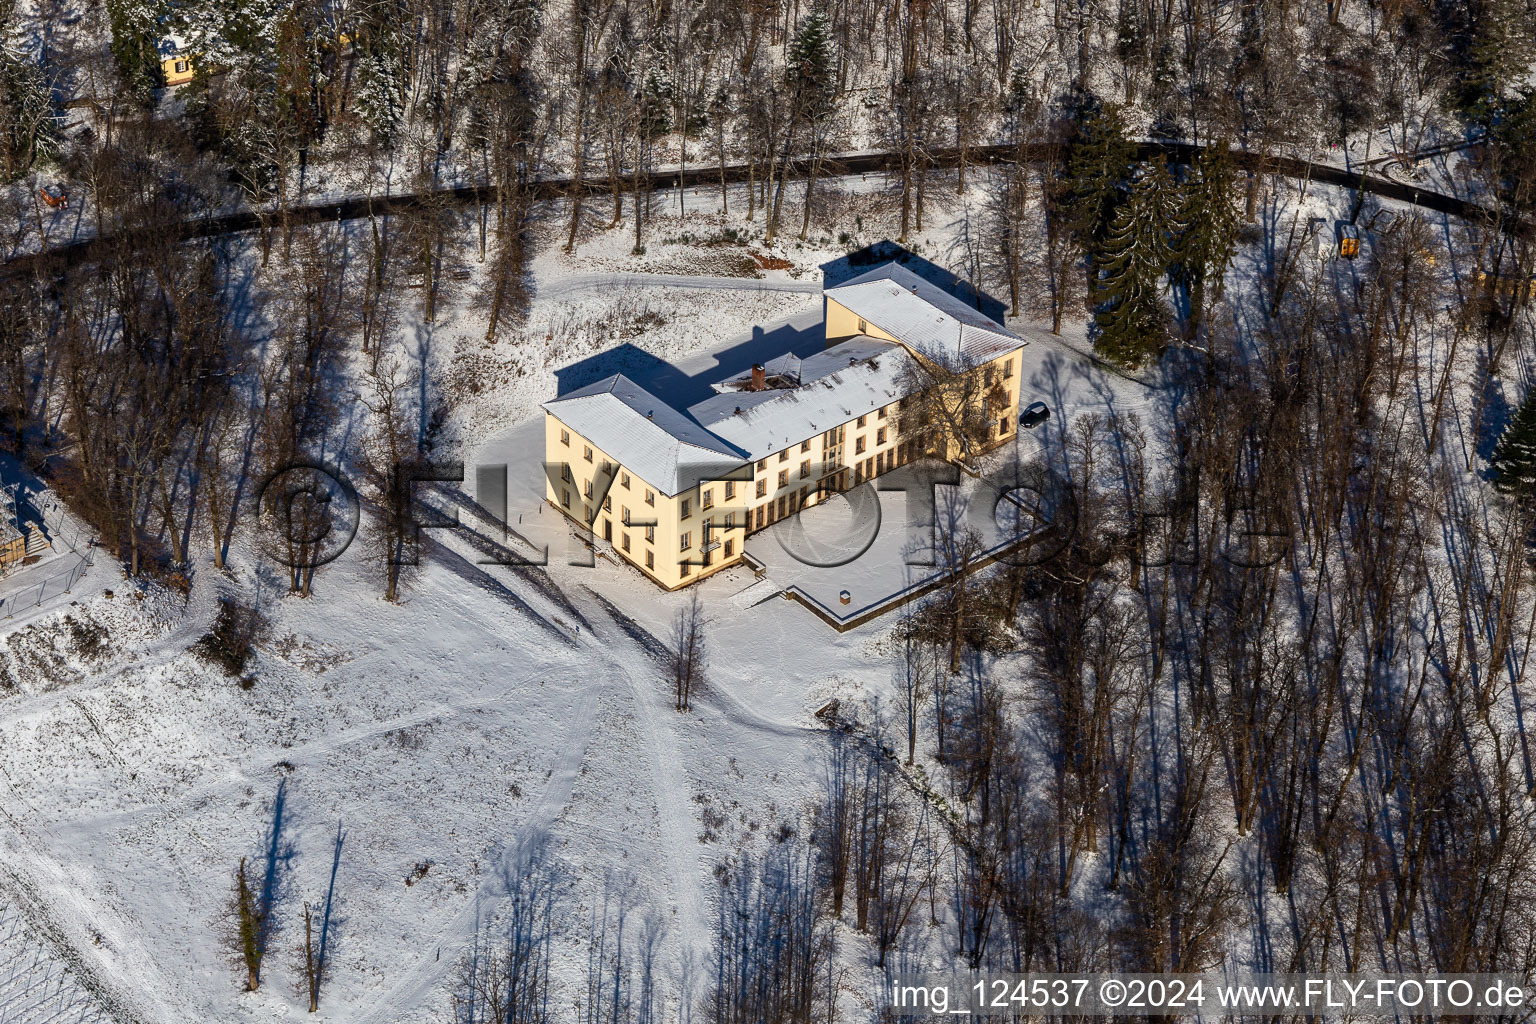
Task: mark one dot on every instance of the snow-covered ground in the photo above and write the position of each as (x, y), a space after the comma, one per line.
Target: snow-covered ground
(391, 759)
(445, 732)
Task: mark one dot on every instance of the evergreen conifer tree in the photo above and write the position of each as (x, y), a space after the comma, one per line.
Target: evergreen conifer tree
(1490, 56)
(379, 72)
(1207, 241)
(1514, 134)
(809, 66)
(1514, 458)
(135, 45)
(1131, 264)
(28, 127)
(657, 90)
(1098, 158)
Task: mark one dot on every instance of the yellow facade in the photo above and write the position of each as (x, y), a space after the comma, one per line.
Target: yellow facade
(178, 70)
(664, 536)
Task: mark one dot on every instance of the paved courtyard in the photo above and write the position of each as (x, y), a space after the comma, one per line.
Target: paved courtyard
(886, 537)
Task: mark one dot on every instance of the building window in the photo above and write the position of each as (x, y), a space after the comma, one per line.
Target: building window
(987, 374)
(1008, 369)
(624, 514)
(650, 535)
(858, 446)
(650, 560)
(565, 438)
(607, 503)
(784, 455)
(762, 463)
(805, 496)
(624, 539)
(708, 501)
(624, 480)
(684, 568)
(565, 497)
(861, 422)
(650, 499)
(730, 519)
(687, 508)
(880, 436)
(783, 478)
(881, 413)
(863, 327)
(730, 548)
(762, 488)
(805, 445)
(565, 472)
(181, 67)
(587, 489)
(587, 453)
(1003, 424)
(730, 489)
(805, 469)
(685, 541)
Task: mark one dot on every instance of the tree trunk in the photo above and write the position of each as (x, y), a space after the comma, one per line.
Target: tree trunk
(810, 187)
(725, 203)
(579, 154)
(311, 974)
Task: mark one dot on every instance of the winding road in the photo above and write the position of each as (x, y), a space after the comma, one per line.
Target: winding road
(53, 259)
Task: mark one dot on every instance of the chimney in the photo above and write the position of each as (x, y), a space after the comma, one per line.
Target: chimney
(651, 415)
(759, 377)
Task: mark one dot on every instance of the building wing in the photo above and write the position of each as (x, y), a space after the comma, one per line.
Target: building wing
(651, 439)
(926, 318)
(848, 380)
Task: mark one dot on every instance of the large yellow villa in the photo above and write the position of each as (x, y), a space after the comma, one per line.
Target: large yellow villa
(676, 493)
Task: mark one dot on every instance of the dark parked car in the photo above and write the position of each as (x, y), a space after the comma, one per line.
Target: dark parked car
(1034, 414)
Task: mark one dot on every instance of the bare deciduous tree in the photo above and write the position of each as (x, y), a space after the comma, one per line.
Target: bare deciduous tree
(688, 656)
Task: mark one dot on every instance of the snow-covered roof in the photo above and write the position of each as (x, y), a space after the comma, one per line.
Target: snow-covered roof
(674, 451)
(647, 436)
(926, 318)
(852, 378)
(786, 367)
(172, 45)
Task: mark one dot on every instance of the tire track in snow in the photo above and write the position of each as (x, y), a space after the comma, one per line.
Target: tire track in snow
(417, 983)
(669, 783)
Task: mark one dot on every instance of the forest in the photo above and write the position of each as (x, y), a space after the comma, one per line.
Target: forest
(1255, 700)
